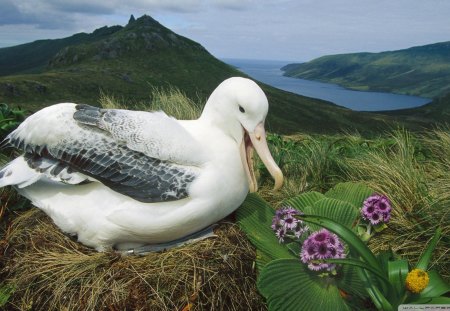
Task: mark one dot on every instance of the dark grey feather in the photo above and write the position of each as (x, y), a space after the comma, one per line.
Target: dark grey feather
(123, 170)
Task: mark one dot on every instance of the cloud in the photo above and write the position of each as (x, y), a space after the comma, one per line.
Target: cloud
(68, 14)
(233, 5)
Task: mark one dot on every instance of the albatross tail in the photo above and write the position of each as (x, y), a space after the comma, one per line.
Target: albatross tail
(26, 170)
(18, 173)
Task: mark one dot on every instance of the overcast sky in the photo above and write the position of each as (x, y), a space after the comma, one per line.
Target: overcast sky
(296, 30)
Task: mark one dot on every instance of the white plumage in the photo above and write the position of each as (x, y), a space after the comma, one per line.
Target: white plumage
(122, 179)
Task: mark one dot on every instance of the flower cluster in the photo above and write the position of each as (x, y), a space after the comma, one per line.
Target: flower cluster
(284, 223)
(417, 280)
(321, 244)
(376, 209)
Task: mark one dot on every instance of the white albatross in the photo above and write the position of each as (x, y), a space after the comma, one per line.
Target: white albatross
(122, 179)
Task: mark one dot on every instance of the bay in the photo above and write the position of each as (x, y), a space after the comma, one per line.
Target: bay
(269, 72)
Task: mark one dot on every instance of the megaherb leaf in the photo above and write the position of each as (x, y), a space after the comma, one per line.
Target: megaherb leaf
(337, 210)
(353, 193)
(304, 200)
(397, 271)
(426, 256)
(314, 203)
(255, 218)
(288, 285)
(436, 287)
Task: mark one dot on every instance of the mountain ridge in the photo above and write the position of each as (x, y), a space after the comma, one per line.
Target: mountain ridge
(421, 70)
(127, 62)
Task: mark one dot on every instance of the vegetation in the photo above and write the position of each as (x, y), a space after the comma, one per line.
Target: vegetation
(45, 269)
(422, 71)
(9, 118)
(438, 110)
(330, 281)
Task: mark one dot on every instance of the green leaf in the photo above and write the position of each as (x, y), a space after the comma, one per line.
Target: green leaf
(436, 287)
(255, 218)
(397, 271)
(295, 248)
(349, 280)
(304, 200)
(287, 284)
(375, 294)
(6, 290)
(380, 227)
(425, 258)
(339, 211)
(433, 301)
(353, 193)
(358, 263)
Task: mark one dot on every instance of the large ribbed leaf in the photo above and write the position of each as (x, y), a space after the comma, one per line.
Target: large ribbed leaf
(287, 284)
(353, 193)
(304, 200)
(255, 218)
(339, 211)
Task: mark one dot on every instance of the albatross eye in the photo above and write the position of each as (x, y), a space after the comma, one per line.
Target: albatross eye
(241, 109)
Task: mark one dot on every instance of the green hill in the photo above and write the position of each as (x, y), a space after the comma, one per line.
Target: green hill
(436, 111)
(34, 57)
(422, 71)
(128, 62)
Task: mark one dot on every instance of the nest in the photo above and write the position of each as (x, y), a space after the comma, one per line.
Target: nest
(51, 271)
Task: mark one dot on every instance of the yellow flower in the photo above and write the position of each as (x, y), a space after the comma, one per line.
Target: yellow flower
(417, 280)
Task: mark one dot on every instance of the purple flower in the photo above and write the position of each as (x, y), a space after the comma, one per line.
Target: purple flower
(284, 223)
(321, 244)
(376, 209)
(281, 232)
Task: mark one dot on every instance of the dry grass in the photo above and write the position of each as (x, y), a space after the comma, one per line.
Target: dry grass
(51, 271)
(172, 101)
(418, 189)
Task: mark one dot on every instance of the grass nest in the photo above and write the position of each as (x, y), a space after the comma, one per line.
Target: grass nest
(49, 270)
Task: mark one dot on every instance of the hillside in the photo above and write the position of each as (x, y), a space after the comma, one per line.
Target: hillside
(421, 71)
(128, 62)
(33, 57)
(436, 111)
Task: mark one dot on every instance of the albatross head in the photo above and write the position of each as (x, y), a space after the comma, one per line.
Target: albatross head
(239, 107)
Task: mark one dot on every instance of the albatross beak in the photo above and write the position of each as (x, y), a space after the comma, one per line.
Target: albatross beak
(257, 139)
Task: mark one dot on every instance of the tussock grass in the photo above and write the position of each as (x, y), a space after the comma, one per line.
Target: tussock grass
(413, 170)
(51, 271)
(403, 173)
(175, 103)
(170, 100)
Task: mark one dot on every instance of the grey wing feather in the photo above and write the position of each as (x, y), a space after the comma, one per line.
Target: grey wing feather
(94, 152)
(154, 134)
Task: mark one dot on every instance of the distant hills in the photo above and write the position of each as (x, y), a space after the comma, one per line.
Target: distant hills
(129, 61)
(422, 71)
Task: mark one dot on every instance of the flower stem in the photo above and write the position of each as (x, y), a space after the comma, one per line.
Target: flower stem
(369, 229)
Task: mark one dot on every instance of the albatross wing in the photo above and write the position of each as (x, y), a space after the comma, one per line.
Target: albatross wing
(147, 156)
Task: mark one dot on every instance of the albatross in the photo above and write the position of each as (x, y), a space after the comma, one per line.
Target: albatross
(120, 179)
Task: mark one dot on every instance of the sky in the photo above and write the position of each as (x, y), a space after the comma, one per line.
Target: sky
(288, 30)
